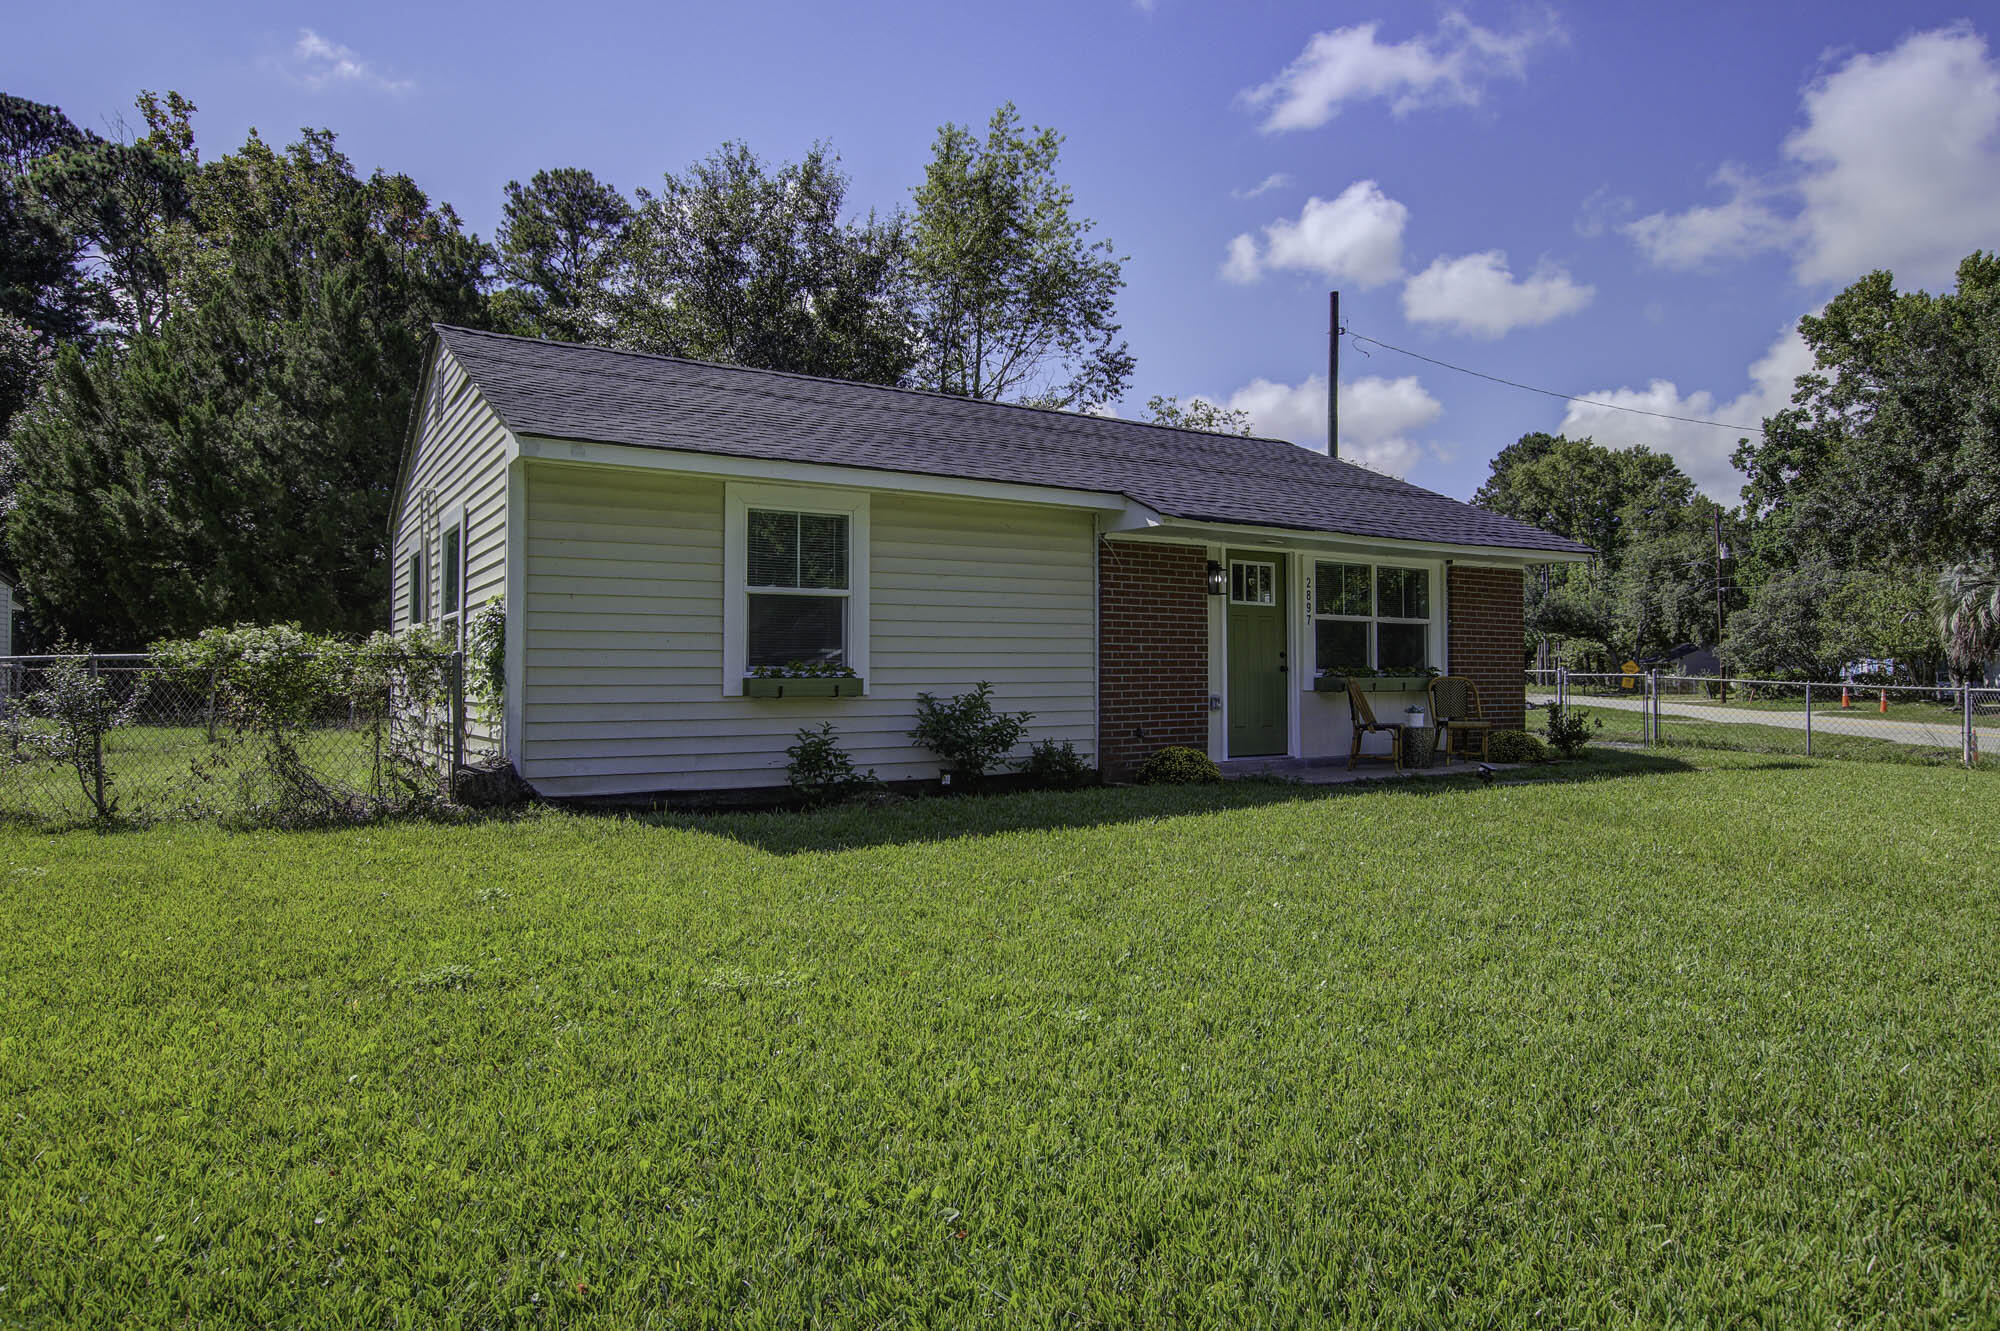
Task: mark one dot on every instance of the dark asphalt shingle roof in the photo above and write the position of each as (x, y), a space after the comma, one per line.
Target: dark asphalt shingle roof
(571, 391)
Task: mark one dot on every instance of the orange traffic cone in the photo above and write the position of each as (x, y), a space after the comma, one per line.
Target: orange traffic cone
(1844, 702)
(1885, 702)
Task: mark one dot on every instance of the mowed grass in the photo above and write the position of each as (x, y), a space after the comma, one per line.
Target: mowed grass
(1707, 1039)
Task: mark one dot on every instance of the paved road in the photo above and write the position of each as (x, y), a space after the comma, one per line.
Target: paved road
(1828, 721)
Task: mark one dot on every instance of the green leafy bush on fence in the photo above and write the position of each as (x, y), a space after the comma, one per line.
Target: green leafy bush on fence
(270, 725)
(62, 723)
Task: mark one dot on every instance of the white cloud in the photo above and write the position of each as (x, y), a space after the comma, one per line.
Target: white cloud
(1745, 224)
(1240, 264)
(1478, 294)
(319, 63)
(1450, 67)
(1703, 451)
(1601, 212)
(1378, 417)
(1901, 154)
(1276, 180)
(1356, 237)
(1895, 165)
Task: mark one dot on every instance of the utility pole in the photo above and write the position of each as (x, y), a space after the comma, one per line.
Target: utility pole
(1333, 374)
(1718, 596)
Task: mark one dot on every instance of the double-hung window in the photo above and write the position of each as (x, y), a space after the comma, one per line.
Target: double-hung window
(415, 572)
(451, 577)
(1371, 616)
(798, 587)
(796, 573)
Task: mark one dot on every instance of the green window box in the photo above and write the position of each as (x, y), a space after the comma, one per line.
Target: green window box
(823, 687)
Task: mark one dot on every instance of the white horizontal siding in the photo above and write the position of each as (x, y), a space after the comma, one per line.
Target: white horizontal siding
(624, 633)
(460, 462)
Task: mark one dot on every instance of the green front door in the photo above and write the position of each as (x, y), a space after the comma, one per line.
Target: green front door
(1256, 654)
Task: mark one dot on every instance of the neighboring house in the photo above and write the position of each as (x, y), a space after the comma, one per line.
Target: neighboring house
(659, 528)
(1686, 659)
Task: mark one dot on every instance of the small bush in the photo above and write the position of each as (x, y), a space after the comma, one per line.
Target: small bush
(821, 771)
(1568, 730)
(1178, 765)
(1515, 746)
(1057, 765)
(967, 733)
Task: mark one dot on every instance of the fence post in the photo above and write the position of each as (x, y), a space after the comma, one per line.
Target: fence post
(1808, 718)
(97, 732)
(1969, 741)
(1562, 686)
(457, 718)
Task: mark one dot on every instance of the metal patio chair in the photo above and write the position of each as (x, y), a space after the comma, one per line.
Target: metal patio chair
(1363, 717)
(1456, 711)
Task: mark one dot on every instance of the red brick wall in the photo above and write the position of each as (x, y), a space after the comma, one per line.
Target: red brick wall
(1485, 639)
(1152, 673)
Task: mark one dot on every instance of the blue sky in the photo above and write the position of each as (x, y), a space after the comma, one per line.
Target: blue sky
(1631, 202)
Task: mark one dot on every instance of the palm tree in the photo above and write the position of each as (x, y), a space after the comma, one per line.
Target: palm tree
(1969, 616)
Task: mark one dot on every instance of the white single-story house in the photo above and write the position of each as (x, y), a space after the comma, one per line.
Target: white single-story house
(666, 534)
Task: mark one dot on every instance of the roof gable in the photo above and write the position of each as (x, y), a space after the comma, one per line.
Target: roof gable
(597, 394)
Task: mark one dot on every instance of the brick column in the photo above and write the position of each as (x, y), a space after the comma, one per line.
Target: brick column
(1152, 664)
(1484, 638)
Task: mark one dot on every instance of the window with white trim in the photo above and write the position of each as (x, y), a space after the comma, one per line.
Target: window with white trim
(796, 581)
(1374, 616)
(415, 567)
(1253, 582)
(451, 590)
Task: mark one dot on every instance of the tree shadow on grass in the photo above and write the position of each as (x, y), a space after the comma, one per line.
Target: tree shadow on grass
(950, 818)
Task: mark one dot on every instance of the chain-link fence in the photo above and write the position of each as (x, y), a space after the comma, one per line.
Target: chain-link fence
(103, 737)
(1933, 724)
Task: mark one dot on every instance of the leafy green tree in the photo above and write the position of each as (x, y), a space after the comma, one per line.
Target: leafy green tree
(126, 205)
(1197, 414)
(236, 464)
(1013, 298)
(736, 262)
(1886, 612)
(1891, 449)
(1653, 584)
(559, 236)
(1782, 633)
(40, 285)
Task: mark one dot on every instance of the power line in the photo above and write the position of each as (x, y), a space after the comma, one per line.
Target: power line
(1550, 392)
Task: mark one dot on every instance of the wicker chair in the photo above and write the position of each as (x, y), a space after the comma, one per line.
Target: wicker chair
(1455, 709)
(1365, 723)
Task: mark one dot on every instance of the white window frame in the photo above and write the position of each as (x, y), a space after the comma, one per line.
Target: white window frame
(451, 619)
(1269, 581)
(1374, 618)
(739, 499)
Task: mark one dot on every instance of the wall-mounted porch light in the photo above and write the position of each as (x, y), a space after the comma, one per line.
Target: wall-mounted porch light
(1218, 579)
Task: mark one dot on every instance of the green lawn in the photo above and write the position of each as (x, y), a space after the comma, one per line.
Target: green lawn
(1670, 1038)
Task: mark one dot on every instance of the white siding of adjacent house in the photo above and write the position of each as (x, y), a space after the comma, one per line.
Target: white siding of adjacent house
(624, 632)
(459, 463)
